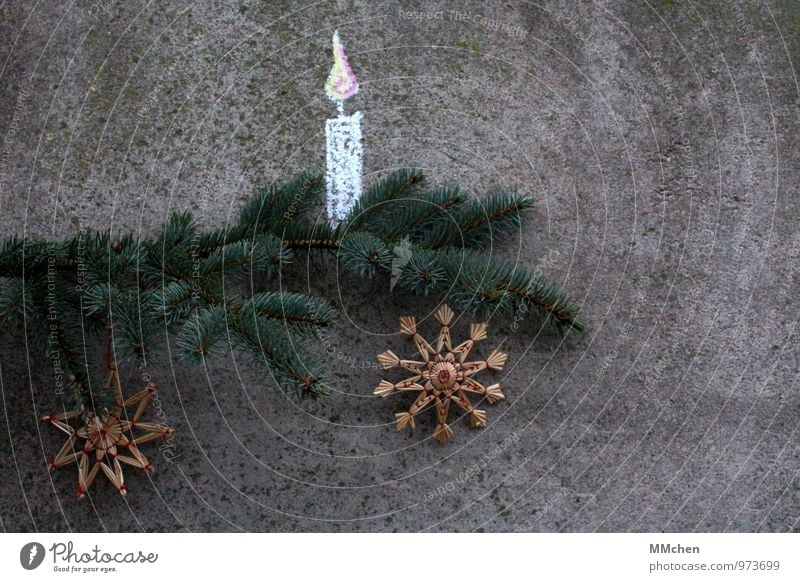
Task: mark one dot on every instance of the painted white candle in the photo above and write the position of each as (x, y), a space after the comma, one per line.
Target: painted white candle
(344, 156)
(345, 152)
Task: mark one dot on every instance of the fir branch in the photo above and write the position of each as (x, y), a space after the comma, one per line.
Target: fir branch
(179, 230)
(480, 221)
(16, 302)
(134, 327)
(278, 205)
(12, 252)
(201, 334)
(20, 257)
(265, 254)
(534, 292)
(301, 312)
(398, 184)
(364, 254)
(96, 299)
(423, 274)
(282, 354)
(421, 214)
(306, 235)
(206, 243)
(173, 301)
(187, 280)
(55, 333)
(485, 284)
(160, 264)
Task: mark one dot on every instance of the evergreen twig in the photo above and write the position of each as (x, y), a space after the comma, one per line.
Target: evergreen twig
(65, 293)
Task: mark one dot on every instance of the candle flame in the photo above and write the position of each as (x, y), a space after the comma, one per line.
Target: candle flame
(341, 83)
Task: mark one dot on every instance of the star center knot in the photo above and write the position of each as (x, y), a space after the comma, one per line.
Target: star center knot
(444, 375)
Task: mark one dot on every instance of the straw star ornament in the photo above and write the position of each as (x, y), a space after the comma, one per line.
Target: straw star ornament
(443, 376)
(106, 436)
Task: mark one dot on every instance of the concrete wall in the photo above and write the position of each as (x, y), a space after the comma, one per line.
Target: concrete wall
(660, 141)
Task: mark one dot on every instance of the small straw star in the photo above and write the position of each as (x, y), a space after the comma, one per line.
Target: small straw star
(107, 438)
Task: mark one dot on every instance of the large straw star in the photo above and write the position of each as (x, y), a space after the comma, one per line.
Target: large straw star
(443, 376)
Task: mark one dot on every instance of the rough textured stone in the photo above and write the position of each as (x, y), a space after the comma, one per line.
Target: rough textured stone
(660, 140)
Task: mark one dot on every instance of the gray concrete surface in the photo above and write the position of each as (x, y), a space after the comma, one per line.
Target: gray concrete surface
(660, 139)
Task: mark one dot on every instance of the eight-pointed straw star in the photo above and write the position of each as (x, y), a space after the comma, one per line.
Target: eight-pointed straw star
(104, 437)
(443, 376)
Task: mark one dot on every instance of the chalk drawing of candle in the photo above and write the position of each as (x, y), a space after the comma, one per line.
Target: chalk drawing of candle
(343, 139)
